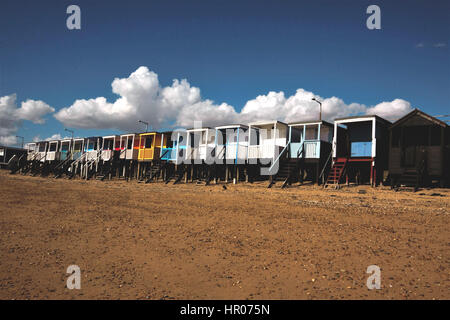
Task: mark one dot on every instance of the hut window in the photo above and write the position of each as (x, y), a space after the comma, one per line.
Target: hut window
(65, 147)
(211, 138)
(108, 145)
(41, 147)
(130, 143)
(53, 147)
(311, 132)
(243, 135)
(296, 134)
(148, 142)
(77, 147)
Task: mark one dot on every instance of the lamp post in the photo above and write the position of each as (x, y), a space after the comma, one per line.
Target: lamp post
(65, 129)
(146, 125)
(22, 139)
(320, 110)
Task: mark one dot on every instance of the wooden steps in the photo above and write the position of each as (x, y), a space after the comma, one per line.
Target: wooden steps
(287, 166)
(336, 172)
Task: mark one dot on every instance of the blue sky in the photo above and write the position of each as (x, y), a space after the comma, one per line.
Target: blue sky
(232, 50)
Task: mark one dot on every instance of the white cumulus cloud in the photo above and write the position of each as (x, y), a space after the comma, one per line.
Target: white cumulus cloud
(141, 97)
(11, 116)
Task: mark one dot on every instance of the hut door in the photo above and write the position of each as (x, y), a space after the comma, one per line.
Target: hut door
(413, 137)
(410, 156)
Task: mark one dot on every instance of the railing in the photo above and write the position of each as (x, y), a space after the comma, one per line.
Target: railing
(325, 166)
(311, 148)
(60, 165)
(168, 154)
(236, 151)
(222, 151)
(253, 152)
(80, 158)
(202, 152)
(277, 160)
(12, 159)
(262, 151)
(123, 151)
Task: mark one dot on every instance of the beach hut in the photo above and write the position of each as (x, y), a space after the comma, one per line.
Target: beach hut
(173, 146)
(41, 149)
(267, 146)
(149, 146)
(77, 148)
(200, 145)
(92, 148)
(128, 154)
(419, 150)
(65, 149)
(231, 151)
(148, 156)
(232, 144)
(309, 149)
(90, 158)
(78, 156)
(12, 157)
(31, 151)
(360, 150)
(173, 155)
(200, 153)
(64, 158)
(110, 145)
(53, 152)
(129, 146)
(109, 161)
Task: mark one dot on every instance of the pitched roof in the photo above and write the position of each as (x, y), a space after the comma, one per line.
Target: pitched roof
(421, 114)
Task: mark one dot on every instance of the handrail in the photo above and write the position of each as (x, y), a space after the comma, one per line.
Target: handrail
(11, 159)
(39, 154)
(165, 152)
(33, 157)
(223, 151)
(301, 150)
(326, 163)
(80, 158)
(279, 156)
(65, 161)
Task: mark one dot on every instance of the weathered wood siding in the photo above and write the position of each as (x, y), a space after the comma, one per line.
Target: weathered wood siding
(395, 161)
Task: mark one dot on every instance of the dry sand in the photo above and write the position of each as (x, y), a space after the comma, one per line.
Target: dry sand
(156, 241)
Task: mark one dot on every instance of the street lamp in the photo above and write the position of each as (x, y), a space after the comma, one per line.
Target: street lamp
(320, 112)
(146, 125)
(22, 139)
(65, 129)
